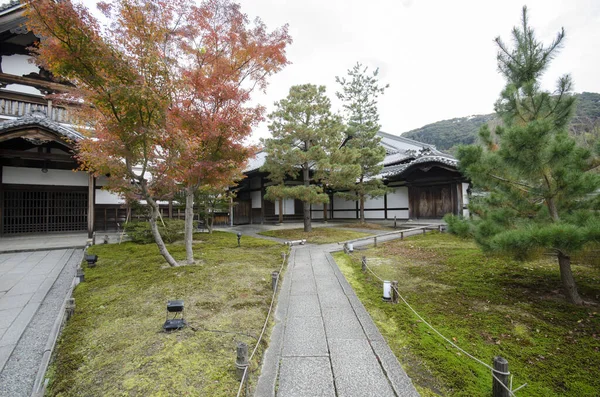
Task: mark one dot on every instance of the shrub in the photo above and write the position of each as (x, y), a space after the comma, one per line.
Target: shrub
(458, 225)
(140, 233)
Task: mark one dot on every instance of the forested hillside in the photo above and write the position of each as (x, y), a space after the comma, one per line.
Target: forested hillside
(447, 134)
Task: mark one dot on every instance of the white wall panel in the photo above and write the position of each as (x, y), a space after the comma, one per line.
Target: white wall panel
(398, 198)
(288, 207)
(341, 204)
(344, 214)
(106, 197)
(256, 203)
(375, 214)
(465, 196)
(317, 214)
(378, 202)
(35, 176)
(399, 214)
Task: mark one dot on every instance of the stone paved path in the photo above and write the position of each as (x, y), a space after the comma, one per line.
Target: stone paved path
(25, 279)
(324, 342)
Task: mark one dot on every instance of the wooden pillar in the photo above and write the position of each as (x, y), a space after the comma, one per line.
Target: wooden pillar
(325, 212)
(262, 200)
(91, 202)
(170, 209)
(385, 206)
(231, 211)
(280, 210)
(1, 203)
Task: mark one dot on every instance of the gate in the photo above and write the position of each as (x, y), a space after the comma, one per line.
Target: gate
(44, 211)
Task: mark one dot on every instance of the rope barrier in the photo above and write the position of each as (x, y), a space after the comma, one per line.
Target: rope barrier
(247, 365)
(493, 371)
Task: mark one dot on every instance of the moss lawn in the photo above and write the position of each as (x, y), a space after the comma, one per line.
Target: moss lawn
(115, 345)
(318, 235)
(490, 306)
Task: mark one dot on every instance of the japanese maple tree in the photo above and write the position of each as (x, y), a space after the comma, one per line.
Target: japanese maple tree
(165, 88)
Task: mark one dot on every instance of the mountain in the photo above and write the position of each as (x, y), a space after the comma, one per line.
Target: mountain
(447, 134)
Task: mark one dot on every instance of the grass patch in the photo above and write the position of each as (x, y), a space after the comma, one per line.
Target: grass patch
(367, 226)
(491, 306)
(319, 235)
(115, 346)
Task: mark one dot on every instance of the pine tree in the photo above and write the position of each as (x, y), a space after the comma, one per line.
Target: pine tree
(305, 136)
(359, 94)
(540, 193)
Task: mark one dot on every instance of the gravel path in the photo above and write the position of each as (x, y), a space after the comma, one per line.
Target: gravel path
(18, 375)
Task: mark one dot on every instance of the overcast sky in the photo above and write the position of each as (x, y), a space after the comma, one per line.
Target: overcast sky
(438, 56)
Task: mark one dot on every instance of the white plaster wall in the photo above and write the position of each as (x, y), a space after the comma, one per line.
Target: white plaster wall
(317, 214)
(344, 214)
(398, 198)
(465, 196)
(375, 214)
(341, 204)
(23, 89)
(378, 202)
(255, 196)
(399, 214)
(35, 176)
(19, 65)
(106, 197)
(288, 207)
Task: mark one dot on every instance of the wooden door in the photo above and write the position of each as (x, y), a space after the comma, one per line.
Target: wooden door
(432, 201)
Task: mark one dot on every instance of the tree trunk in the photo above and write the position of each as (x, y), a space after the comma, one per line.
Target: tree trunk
(306, 204)
(280, 210)
(362, 209)
(162, 248)
(189, 225)
(154, 212)
(569, 286)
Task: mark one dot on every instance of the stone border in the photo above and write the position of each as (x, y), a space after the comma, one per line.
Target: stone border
(40, 383)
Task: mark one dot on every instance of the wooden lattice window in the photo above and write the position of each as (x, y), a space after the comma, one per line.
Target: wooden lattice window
(32, 211)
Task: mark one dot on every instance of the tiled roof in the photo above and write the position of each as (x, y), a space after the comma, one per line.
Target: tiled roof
(399, 169)
(41, 120)
(256, 162)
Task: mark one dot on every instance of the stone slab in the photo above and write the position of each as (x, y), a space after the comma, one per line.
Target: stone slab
(305, 306)
(333, 299)
(14, 301)
(304, 336)
(8, 316)
(342, 324)
(305, 376)
(303, 287)
(14, 332)
(5, 352)
(356, 370)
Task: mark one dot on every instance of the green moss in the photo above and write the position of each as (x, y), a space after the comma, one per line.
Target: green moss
(491, 306)
(321, 235)
(115, 345)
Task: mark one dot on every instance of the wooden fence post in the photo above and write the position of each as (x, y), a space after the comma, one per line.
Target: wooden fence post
(274, 277)
(364, 263)
(394, 291)
(375, 241)
(241, 361)
(501, 372)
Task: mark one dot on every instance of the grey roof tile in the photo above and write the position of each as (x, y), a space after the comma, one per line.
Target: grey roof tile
(37, 119)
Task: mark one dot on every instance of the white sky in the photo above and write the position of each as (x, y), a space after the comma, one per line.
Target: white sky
(437, 55)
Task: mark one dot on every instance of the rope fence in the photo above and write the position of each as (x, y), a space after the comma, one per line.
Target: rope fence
(245, 364)
(494, 372)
